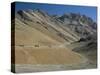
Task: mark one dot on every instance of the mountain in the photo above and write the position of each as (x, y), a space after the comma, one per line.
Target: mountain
(67, 28)
(41, 38)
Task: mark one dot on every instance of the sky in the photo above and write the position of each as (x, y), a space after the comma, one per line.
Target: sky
(56, 9)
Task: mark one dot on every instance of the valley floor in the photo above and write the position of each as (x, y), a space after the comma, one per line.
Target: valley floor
(31, 59)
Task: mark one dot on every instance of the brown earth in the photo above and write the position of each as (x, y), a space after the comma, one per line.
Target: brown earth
(26, 55)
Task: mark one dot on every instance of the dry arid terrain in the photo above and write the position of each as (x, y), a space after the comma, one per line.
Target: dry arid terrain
(46, 42)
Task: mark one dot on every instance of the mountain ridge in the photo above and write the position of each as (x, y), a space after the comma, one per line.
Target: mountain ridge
(70, 27)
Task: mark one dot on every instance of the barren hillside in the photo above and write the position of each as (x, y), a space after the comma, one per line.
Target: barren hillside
(44, 39)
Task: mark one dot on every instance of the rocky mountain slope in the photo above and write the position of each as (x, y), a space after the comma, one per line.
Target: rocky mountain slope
(41, 38)
(67, 28)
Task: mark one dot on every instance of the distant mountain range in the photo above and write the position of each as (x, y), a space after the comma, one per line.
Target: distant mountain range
(68, 28)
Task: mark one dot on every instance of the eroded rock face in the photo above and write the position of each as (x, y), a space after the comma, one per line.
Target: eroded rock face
(69, 27)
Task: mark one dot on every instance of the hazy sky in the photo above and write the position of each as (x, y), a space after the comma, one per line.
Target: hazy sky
(59, 9)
